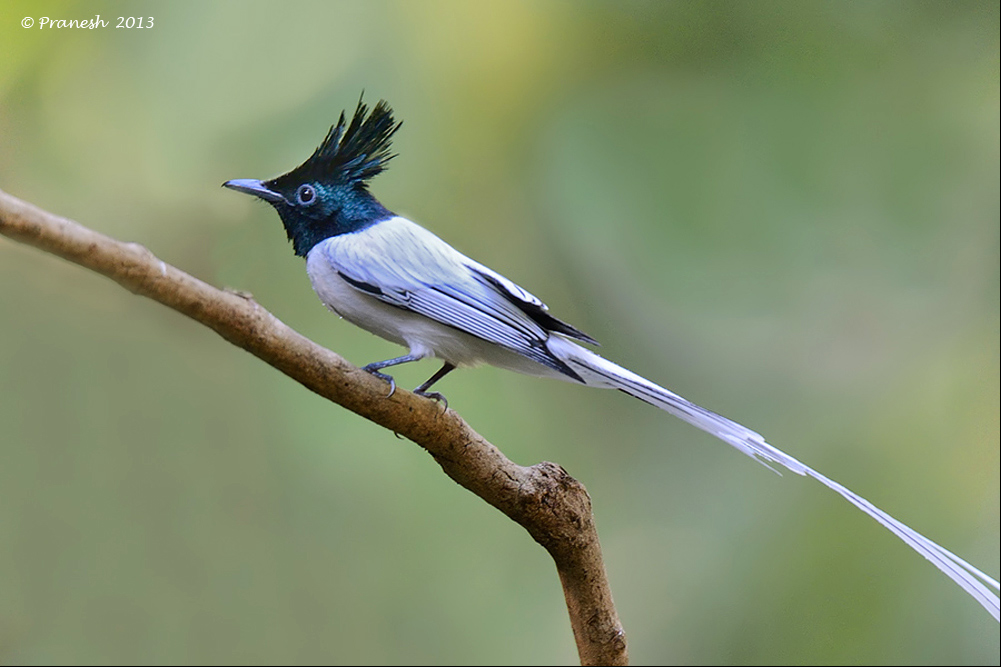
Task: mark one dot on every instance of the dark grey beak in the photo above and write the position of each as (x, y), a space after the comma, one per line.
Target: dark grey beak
(254, 187)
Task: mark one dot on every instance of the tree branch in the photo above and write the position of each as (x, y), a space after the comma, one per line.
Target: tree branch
(552, 506)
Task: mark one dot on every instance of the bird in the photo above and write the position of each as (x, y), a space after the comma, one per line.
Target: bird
(394, 278)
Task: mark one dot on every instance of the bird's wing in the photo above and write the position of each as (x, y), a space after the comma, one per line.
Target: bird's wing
(527, 302)
(404, 265)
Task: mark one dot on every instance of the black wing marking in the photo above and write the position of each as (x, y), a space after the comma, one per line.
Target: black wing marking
(361, 285)
(533, 307)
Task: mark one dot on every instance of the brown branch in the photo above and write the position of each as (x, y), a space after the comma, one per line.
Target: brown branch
(552, 506)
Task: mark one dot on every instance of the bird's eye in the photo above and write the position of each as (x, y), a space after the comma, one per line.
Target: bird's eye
(305, 195)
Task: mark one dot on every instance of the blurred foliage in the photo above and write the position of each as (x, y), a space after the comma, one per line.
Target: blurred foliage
(788, 212)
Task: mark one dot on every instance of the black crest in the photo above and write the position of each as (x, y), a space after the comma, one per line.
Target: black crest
(355, 152)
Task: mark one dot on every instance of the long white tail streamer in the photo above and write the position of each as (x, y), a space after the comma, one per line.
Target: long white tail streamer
(598, 371)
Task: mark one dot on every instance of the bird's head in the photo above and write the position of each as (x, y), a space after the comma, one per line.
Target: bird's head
(328, 194)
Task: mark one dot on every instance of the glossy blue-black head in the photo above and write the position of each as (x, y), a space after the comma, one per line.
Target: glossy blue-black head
(328, 193)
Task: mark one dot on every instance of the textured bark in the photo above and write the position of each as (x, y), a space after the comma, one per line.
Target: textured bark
(552, 506)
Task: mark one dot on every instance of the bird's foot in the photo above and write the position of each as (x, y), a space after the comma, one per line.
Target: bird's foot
(373, 369)
(433, 395)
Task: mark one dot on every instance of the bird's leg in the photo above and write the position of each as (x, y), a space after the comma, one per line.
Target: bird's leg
(375, 366)
(423, 389)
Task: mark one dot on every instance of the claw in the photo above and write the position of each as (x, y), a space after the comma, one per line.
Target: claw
(433, 395)
(383, 376)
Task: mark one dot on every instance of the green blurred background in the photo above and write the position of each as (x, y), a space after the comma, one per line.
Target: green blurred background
(785, 211)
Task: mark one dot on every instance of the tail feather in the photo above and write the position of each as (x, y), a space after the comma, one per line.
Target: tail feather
(599, 372)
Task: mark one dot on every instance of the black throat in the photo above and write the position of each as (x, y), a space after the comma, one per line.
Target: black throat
(351, 209)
